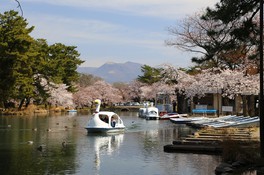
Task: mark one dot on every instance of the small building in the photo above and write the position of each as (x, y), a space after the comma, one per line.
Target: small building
(242, 104)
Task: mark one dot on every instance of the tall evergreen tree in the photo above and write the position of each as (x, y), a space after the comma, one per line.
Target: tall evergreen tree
(150, 75)
(15, 57)
(63, 62)
(25, 62)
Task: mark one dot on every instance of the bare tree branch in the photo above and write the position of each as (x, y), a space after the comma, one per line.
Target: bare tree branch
(19, 6)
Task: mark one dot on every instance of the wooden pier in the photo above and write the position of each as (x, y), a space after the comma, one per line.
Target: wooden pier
(194, 147)
(210, 141)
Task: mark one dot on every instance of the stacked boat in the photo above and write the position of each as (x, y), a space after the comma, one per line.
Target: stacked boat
(230, 121)
(220, 122)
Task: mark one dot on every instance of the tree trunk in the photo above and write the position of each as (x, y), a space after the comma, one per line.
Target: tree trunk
(2, 104)
(27, 102)
(245, 105)
(21, 104)
(251, 105)
(181, 104)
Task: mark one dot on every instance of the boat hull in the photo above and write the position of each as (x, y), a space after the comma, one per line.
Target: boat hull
(172, 115)
(105, 130)
(184, 120)
(152, 117)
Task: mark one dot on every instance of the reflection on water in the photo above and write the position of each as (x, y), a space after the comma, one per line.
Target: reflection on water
(105, 144)
(60, 145)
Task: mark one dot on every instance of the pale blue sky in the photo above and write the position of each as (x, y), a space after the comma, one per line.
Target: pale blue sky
(111, 30)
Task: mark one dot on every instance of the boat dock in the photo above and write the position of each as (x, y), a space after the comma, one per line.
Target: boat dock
(193, 147)
(210, 141)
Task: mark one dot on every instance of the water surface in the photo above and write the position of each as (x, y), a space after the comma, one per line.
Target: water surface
(59, 144)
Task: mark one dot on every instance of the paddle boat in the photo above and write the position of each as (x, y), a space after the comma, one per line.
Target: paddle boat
(149, 112)
(104, 121)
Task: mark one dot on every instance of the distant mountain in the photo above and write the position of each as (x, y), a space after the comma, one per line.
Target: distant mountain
(114, 72)
(86, 70)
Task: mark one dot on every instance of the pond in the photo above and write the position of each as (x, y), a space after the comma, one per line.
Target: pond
(59, 144)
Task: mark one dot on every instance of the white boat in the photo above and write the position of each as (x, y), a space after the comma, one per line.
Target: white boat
(237, 122)
(227, 121)
(167, 116)
(104, 121)
(149, 112)
(184, 120)
(206, 121)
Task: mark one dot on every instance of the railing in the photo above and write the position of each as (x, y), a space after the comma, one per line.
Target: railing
(204, 111)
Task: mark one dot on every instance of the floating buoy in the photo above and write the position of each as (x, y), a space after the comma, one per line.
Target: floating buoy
(30, 142)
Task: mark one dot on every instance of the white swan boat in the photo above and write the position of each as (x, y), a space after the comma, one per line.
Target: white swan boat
(149, 112)
(104, 121)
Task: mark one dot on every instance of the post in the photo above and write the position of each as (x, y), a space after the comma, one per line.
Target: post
(261, 102)
(218, 101)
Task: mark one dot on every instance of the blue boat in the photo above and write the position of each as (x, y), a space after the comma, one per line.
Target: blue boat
(72, 110)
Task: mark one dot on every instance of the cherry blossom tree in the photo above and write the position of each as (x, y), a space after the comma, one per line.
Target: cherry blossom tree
(135, 90)
(177, 79)
(124, 90)
(176, 82)
(227, 82)
(106, 92)
(83, 97)
(209, 81)
(60, 96)
(98, 90)
(150, 91)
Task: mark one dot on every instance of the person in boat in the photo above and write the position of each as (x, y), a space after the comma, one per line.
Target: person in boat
(103, 118)
(113, 123)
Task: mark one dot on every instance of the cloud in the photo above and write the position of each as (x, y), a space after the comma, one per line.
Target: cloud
(63, 29)
(60, 27)
(155, 8)
(115, 41)
(111, 30)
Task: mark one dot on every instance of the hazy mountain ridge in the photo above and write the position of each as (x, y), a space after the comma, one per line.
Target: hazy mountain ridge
(114, 72)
